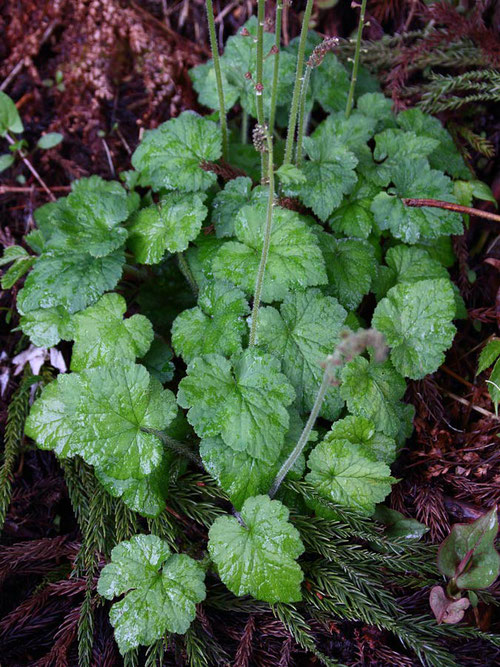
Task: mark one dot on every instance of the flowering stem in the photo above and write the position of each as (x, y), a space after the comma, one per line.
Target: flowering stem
(302, 115)
(292, 120)
(218, 75)
(274, 92)
(350, 345)
(244, 127)
(286, 467)
(355, 66)
(259, 283)
(259, 86)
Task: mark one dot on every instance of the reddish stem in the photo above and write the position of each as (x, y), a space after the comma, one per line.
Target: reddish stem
(437, 203)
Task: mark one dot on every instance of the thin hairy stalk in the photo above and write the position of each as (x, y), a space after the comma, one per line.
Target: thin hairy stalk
(259, 283)
(259, 85)
(277, 45)
(304, 437)
(187, 273)
(302, 115)
(437, 203)
(294, 109)
(244, 127)
(355, 65)
(218, 75)
(14, 429)
(31, 168)
(350, 346)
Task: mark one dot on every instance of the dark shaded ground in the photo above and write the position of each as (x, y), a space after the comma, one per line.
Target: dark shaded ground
(125, 66)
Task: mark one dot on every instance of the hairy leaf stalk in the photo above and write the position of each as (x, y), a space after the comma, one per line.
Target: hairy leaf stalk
(274, 92)
(218, 75)
(259, 283)
(294, 109)
(355, 66)
(259, 85)
(350, 346)
(302, 115)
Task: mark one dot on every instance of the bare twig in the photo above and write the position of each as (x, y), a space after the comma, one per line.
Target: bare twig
(437, 203)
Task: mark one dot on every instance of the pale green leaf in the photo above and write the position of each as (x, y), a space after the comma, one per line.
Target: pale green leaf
(354, 216)
(104, 415)
(205, 84)
(329, 173)
(161, 591)
(330, 84)
(302, 333)
(10, 120)
(416, 320)
(241, 475)
(378, 107)
(445, 156)
(103, 338)
(169, 226)
(373, 390)
(489, 354)
(361, 431)
(414, 179)
(49, 140)
(294, 258)
(73, 280)
(244, 401)
(408, 264)
(17, 271)
(171, 156)
(217, 324)
(227, 203)
(6, 161)
(258, 557)
(351, 268)
(146, 495)
(353, 133)
(494, 385)
(88, 219)
(348, 475)
(46, 326)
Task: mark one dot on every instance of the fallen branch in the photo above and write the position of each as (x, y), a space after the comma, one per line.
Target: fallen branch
(437, 203)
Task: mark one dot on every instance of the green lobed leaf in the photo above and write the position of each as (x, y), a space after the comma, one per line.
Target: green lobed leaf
(353, 133)
(72, 280)
(351, 268)
(489, 354)
(396, 145)
(468, 554)
(103, 338)
(169, 226)
(243, 400)
(302, 333)
(330, 84)
(161, 591)
(170, 157)
(416, 320)
(241, 475)
(146, 495)
(217, 324)
(294, 258)
(205, 84)
(17, 271)
(494, 385)
(348, 475)
(415, 179)
(47, 326)
(373, 390)
(258, 557)
(354, 216)
(10, 120)
(378, 107)
(226, 203)
(88, 218)
(445, 156)
(408, 264)
(361, 431)
(103, 415)
(329, 176)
